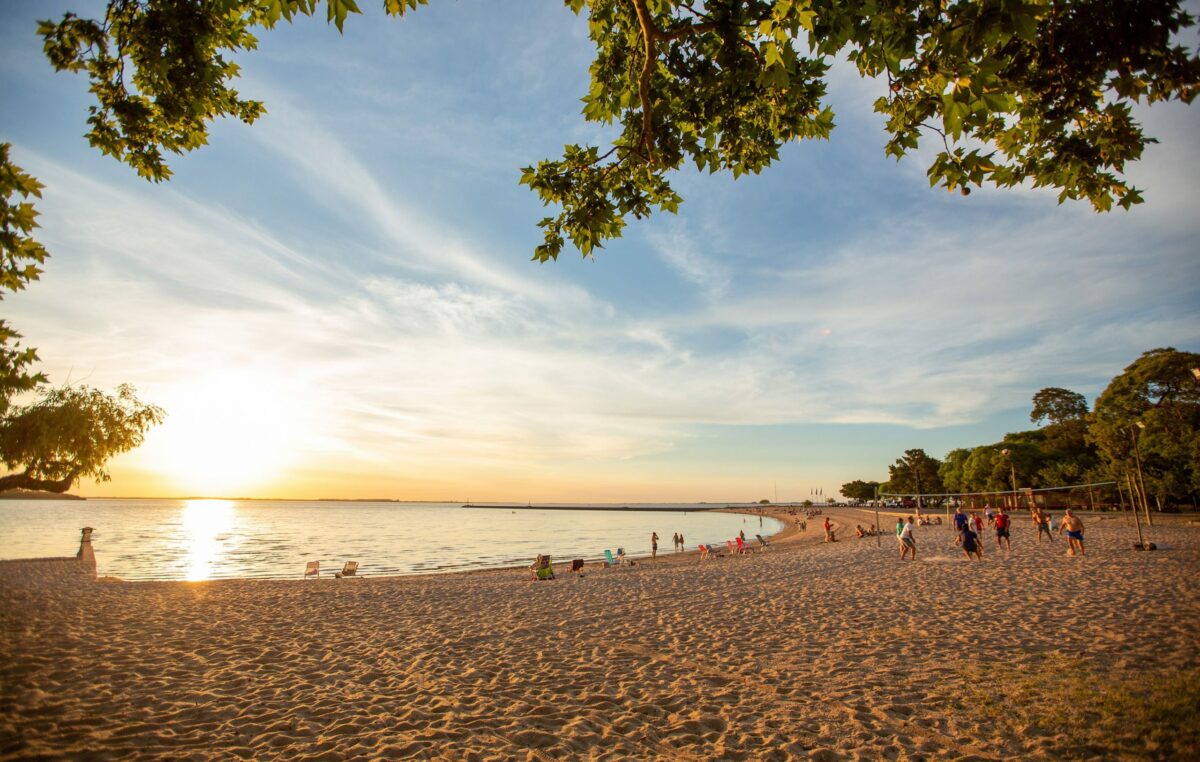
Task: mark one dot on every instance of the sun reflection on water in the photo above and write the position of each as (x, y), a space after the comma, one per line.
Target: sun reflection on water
(203, 522)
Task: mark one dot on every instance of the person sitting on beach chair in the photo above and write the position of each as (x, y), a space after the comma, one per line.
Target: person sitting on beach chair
(620, 555)
(703, 552)
(542, 568)
(742, 547)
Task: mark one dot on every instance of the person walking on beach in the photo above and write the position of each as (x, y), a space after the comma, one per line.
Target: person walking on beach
(682, 547)
(907, 541)
(828, 530)
(675, 542)
(1002, 523)
(654, 545)
(1074, 529)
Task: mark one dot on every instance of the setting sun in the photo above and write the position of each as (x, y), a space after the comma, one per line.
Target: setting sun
(225, 434)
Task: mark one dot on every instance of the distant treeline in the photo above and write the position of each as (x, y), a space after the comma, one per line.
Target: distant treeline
(1144, 430)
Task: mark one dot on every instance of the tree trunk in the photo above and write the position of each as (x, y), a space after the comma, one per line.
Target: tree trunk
(25, 481)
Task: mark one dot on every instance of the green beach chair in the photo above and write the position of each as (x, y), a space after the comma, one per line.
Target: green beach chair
(542, 568)
(608, 558)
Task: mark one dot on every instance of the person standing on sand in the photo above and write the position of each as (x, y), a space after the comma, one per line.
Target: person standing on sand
(907, 541)
(960, 521)
(1042, 522)
(1002, 523)
(1074, 529)
(675, 542)
(828, 530)
(654, 545)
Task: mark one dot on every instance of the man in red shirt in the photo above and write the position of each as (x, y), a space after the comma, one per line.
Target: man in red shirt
(1002, 522)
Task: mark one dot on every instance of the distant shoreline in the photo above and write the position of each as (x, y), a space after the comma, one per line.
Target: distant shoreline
(26, 494)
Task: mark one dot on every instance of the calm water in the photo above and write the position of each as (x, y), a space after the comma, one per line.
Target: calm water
(218, 539)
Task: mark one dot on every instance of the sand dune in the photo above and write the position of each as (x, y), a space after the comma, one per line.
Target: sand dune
(806, 650)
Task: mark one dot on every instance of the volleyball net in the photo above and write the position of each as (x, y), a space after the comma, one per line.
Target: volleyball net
(1102, 496)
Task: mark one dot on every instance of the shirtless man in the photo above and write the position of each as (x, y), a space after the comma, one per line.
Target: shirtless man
(1042, 522)
(1074, 530)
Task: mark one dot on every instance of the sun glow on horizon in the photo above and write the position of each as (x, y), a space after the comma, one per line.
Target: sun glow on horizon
(225, 434)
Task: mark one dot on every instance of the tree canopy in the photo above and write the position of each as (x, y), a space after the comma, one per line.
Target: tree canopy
(1009, 91)
(860, 490)
(1153, 406)
(1058, 406)
(68, 432)
(20, 260)
(1150, 412)
(915, 473)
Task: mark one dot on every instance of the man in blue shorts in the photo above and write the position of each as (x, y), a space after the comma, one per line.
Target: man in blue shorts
(1074, 530)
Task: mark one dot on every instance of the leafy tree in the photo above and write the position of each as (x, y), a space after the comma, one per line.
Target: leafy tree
(1160, 392)
(1068, 457)
(69, 432)
(860, 490)
(915, 473)
(1011, 91)
(1058, 406)
(951, 470)
(20, 260)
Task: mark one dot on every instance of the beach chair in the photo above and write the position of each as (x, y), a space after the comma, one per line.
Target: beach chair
(761, 542)
(312, 569)
(731, 547)
(542, 568)
(577, 565)
(703, 552)
(714, 551)
(349, 570)
(608, 558)
(741, 547)
(620, 555)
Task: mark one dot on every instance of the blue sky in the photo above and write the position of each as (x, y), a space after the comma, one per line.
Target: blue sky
(339, 300)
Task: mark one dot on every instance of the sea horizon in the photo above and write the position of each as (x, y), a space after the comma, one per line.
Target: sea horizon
(202, 539)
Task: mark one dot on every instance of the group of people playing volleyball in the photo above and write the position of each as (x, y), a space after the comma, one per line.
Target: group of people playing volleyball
(969, 531)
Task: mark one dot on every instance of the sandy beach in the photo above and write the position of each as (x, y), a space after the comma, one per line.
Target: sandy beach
(803, 651)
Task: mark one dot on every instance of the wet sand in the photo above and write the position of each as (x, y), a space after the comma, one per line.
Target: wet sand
(806, 650)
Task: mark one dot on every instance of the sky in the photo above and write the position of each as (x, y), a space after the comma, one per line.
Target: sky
(339, 301)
